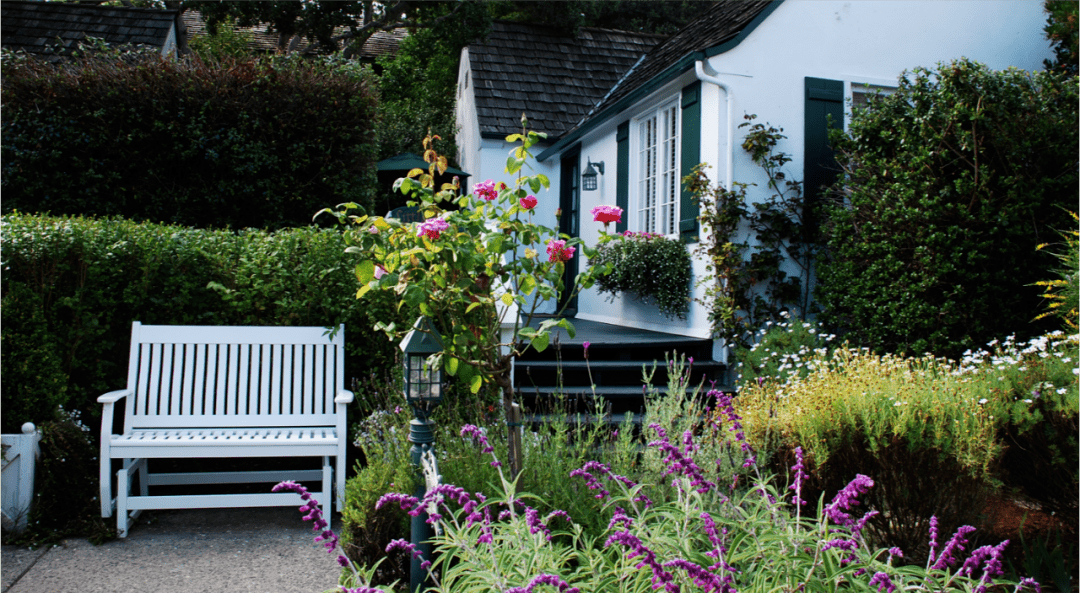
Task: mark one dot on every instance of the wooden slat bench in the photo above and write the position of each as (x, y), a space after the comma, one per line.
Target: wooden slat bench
(225, 392)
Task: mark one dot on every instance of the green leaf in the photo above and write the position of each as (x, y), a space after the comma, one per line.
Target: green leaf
(528, 284)
(452, 365)
(365, 271)
(507, 299)
(471, 307)
(363, 290)
(540, 341)
(475, 383)
(544, 179)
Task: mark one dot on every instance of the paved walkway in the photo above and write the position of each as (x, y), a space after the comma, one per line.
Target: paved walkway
(260, 550)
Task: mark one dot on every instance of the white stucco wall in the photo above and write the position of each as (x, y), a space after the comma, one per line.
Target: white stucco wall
(861, 41)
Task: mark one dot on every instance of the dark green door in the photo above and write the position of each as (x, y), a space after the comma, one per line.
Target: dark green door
(570, 223)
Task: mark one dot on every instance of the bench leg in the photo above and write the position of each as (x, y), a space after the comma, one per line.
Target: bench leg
(105, 478)
(327, 502)
(122, 486)
(124, 477)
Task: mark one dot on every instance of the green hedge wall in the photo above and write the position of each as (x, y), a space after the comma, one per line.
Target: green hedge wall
(255, 142)
(73, 286)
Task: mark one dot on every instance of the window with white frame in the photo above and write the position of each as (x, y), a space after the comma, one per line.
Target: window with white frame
(862, 94)
(656, 208)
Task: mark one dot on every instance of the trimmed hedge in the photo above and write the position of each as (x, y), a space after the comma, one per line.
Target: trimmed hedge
(254, 142)
(78, 283)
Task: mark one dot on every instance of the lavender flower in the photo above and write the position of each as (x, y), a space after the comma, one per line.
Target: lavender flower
(545, 579)
(1028, 582)
(680, 463)
(882, 581)
(800, 475)
(314, 514)
(637, 548)
(955, 546)
(847, 498)
(933, 538)
(480, 436)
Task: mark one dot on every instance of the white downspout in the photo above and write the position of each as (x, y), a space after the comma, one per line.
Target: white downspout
(699, 70)
(720, 350)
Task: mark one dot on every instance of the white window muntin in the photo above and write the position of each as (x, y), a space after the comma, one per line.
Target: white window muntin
(656, 175)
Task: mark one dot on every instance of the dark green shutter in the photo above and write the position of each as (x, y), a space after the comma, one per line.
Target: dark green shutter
(824, 109)
(691, 155)
(622, 175)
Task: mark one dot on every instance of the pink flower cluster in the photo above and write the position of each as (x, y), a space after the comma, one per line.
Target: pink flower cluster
(642, 234)
(487, 190)
(558, 251)
(607, 214)
(432, 228)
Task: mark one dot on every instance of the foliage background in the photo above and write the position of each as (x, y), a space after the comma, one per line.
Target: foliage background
(948, 186)
(78, 283)
(253, 142)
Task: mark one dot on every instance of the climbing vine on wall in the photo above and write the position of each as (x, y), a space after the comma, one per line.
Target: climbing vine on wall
(748, 284)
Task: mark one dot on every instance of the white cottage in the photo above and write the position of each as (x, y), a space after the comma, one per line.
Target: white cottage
(793, 63)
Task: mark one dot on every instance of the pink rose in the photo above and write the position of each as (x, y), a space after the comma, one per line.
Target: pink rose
(431, 228)
(528, 202)
(558, 251)
(607, 214)
(486, 190)
(379, 271)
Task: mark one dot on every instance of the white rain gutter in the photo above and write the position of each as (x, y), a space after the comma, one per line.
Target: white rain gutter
(699, 70)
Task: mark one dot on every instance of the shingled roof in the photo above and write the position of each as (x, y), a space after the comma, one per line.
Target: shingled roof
(554, 79)
(380, 43)
(720, 23)
(53, 29)
(720, 27)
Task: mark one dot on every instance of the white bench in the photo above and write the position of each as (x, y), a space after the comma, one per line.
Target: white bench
(225, 392)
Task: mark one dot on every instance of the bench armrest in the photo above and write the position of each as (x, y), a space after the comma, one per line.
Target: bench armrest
(114, 396)
(344, 397)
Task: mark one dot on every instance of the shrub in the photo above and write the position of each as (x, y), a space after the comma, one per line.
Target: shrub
(948, 185)
(31, 365)
(252, 142)
(90, 278)
(934, 430)
(782, 351)
(1064, 292)
(654, 267)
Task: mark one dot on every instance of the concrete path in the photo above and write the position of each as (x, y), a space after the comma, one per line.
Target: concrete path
(260, 550)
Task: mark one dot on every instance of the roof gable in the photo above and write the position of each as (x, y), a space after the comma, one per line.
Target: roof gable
(554, 79)
(56, 28)
(718, 29)
(719, 24)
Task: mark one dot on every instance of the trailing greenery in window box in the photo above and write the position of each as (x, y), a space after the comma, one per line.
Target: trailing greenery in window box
(653, 266)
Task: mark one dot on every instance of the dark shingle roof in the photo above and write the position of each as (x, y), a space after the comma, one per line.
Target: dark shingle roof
(720, 23)
(380, 42)
(554, 79)
(39, 27)
(721, 26)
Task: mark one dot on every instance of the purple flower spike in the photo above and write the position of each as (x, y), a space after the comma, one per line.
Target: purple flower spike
(847, 498)
(800, 475)
(314, 514)
(933, 537)
(1028, 583)
(955, 546)
(882, 582)
(545, 579)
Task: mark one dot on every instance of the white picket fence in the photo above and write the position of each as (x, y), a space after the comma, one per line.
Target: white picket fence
(17, 477)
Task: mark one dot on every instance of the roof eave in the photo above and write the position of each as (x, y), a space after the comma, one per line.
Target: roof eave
(672, 72)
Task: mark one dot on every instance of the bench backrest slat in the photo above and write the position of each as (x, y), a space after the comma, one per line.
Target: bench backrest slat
(206, 377)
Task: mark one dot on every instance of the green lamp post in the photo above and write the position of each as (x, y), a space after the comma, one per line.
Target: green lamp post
(423, 390)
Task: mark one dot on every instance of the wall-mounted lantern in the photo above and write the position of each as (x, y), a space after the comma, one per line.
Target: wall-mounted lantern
(588, 178)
